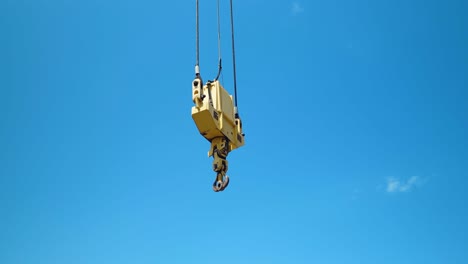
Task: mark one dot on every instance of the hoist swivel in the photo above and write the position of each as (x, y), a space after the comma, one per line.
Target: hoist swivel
(217, 120)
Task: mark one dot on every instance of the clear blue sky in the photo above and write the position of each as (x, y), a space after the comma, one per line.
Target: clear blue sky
(355, 114)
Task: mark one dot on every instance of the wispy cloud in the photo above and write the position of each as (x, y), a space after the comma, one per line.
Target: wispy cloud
(397, 186)
(296, 8)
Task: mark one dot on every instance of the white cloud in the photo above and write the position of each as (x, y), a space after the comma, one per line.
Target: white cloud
(296, 8)
(395, 185)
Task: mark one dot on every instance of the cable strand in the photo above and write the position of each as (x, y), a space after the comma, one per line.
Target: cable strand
(197, 23)
(220, 67)
(233, 56)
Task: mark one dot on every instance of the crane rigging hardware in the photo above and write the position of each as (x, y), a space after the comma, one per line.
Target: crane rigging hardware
(215, 111)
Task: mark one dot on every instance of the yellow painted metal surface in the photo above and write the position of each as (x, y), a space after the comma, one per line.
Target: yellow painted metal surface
(214, 114)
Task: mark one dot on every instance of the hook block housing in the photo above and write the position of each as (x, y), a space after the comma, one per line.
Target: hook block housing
(214, 114)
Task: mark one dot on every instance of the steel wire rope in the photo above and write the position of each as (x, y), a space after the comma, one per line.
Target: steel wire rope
(220, 65)
(234, 58)
(197, 52)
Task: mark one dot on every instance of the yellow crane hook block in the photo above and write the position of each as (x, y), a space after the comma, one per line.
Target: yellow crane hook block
(217, 120)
